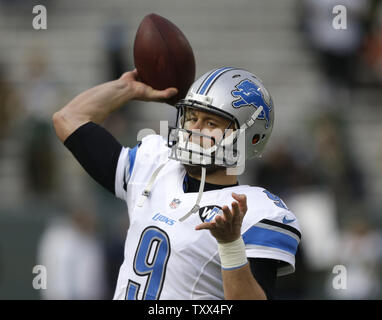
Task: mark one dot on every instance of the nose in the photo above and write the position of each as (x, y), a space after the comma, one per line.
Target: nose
(197, 125)
(197, 128)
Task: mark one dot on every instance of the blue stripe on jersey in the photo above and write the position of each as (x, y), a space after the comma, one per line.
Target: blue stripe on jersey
(132, 155)
(211, 78)
(270, 238)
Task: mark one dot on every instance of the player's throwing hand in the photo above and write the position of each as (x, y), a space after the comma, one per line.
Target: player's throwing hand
(142, 91)
(227, 227)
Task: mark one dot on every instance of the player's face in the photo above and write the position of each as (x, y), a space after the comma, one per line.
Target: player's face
(205, 123)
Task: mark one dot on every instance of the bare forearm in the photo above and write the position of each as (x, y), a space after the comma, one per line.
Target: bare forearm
(239, 284)
(93, 105)
(97, 103)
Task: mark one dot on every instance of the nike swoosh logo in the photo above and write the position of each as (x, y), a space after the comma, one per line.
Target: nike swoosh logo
(286, 221)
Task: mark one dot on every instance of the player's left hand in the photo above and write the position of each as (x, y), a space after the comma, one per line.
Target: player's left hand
(227, 227)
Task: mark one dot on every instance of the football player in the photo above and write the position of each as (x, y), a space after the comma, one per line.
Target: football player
(194, 232)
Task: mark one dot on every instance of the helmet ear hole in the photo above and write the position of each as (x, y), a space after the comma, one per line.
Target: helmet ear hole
(255, 138)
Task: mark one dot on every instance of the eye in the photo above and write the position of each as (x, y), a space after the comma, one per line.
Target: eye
(190, 118)
(211, 124)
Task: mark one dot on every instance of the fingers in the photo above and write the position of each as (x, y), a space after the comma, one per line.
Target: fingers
(205, 226)
(226, 227)
(242, 200)
(239, 197)
(147, 93)
(235, 209)
(218, 222)
(164, 94)
(143, 91)
(227, 214)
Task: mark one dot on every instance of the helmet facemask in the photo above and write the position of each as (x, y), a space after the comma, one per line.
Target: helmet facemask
(200, 148)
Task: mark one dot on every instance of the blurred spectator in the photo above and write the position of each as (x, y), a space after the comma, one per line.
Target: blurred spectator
(119, 123)
(372, 49)
(336, 167)
(282, 173)
(73, 258)
(9, 106)
(315, 210)
(116, 42)
(42, 96)
(338, 49)
(373, 54)
(41, 88)
(359, 255)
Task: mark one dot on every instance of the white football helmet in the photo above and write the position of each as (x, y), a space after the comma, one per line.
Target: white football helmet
(234, 94)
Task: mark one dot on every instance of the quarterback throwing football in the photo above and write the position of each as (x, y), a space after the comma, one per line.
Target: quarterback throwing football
(194, 232)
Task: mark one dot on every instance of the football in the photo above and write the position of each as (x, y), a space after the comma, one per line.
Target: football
(163, 56)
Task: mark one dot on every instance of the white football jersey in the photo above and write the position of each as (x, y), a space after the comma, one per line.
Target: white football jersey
(169, 259)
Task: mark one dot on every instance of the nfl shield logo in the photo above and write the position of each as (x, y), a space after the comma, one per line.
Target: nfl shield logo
(174, 203)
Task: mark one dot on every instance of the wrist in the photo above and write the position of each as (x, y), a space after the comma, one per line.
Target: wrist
(232, 254)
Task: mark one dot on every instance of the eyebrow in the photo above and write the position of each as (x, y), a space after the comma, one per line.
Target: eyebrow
(208, 117)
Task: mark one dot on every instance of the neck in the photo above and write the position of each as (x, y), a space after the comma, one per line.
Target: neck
(214, 175)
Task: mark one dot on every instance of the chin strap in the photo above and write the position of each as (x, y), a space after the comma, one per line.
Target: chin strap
(146, 192)
(196, 207)
(251, 120)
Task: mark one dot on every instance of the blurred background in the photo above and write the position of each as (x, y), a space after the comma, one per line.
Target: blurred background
(324, 159)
